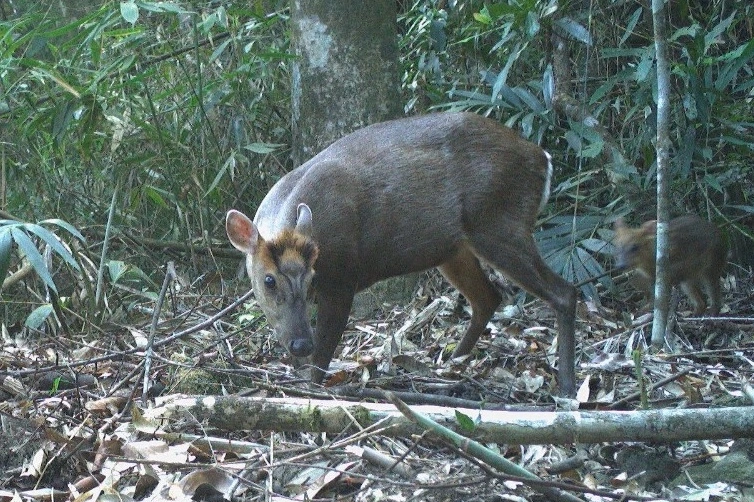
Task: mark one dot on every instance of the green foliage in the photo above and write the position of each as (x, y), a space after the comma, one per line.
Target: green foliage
(177, 104)
(465, 422)
(153, 96)
(23, 235)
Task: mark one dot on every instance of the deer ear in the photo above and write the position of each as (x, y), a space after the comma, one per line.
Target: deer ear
(242, 232)
(650, 227)
(304, 220)
(620, 223)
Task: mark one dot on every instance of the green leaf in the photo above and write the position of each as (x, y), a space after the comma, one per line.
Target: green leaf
(163, 7)
(573, 140)
(120, 272)
(66, 226)
(483, 17)
(575, 30)
(713, 182)
(548, 86)
(711, 37)
(530, 99)
(129, 11)
(154, 195)
(32, 254)
(38, 316)
(55, 386)
(465, 422)
(263, 148)
(63, 117)
(6, 246)
(646, 64)
(686, 31)
(116, 269)
(631, 25)
(746, 209)
(220, 49)
(52, 240)
(228, 169)
(593, 149)
(612, 52)
(532, 24)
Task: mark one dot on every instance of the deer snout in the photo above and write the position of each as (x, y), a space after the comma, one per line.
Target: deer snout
(301, 347)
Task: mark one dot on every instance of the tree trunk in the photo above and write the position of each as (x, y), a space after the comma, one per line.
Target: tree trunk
(346, 73)
(346, 76)
(662, 286)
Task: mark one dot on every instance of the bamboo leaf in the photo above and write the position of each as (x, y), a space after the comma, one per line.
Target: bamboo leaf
(53, 241)
(32, 254)
(575, 30)
(38, 316)
(631, 25)
(6, 246)
(66, 226)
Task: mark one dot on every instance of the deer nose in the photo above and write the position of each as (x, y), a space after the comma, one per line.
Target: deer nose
(301, 347)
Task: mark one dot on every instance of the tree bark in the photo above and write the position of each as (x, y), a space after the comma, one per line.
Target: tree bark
(346, 73)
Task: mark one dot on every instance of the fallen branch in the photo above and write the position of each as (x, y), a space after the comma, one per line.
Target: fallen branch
(509, 427)
(479, 451)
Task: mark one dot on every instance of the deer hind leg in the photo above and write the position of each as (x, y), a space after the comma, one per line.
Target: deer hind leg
(712, 287)
(465, 273)
(693, 290)
(516, 256)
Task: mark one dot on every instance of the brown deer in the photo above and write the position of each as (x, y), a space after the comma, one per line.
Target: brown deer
(443, 190)
(697, 257)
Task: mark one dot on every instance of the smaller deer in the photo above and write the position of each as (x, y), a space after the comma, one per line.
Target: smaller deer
(698, 255)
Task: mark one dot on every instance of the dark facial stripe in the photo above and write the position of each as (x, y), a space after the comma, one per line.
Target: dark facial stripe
(291, 245)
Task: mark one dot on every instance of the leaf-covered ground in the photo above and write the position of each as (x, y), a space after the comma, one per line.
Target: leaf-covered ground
(75, 424)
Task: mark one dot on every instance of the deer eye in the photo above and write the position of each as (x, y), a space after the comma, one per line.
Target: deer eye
(269, 282)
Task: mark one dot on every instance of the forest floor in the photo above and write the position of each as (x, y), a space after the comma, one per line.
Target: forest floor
(75, 426)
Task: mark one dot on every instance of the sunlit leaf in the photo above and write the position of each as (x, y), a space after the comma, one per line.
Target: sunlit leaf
(575, 30)
(130, 11)
(263, 148)
(38, 316)
(465, 422)
(482, 17)
(32, 254)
